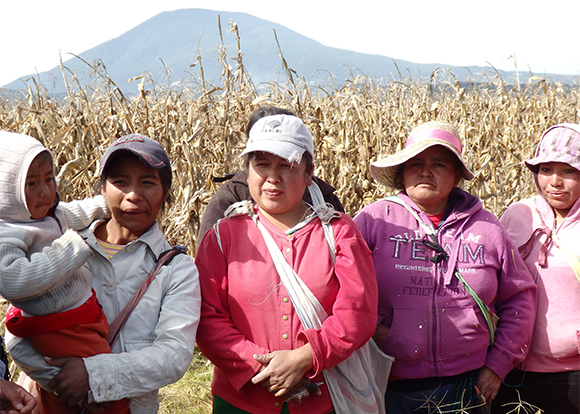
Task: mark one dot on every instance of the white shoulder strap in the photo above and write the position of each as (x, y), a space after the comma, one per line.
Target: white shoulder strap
(241, 207)
(428, 228)
(325, 213)
(216, 229)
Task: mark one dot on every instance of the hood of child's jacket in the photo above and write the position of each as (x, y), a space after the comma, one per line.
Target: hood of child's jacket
(17, 152)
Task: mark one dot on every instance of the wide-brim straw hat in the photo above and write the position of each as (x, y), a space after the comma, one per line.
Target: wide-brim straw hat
(559, 143)
(421, 137)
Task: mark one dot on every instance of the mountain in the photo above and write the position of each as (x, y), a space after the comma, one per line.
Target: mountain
(174, 39)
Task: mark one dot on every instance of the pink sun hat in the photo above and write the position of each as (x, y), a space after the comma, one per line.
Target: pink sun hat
(559, 143)
(421, 137)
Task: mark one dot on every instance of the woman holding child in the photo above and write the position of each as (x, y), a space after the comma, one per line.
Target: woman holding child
(545, 228)
(155, 346)
(444, 266)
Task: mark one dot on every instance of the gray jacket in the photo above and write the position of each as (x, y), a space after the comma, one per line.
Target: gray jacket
(156, 345)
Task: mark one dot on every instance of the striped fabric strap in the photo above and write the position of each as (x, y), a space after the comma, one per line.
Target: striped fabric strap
(326, 213)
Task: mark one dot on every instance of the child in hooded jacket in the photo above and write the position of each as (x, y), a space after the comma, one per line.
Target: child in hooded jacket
(42, 261)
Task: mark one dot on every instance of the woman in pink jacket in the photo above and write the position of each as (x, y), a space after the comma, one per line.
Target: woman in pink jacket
(265, 359)
(444, 266)
(546, 228)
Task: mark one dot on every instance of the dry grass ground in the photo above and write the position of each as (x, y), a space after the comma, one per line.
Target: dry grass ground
(202, 128)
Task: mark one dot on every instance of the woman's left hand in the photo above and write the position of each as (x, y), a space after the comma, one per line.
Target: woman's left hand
(302, 390)
(71, 384)
(283, 369)
(488, 383)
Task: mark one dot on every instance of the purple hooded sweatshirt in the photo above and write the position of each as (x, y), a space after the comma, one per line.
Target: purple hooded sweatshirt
(436, 327)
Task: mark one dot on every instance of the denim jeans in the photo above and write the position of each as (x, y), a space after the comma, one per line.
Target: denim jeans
(434, 395)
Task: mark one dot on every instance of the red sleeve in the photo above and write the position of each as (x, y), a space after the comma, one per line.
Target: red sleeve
(217, 337)
(354, 313)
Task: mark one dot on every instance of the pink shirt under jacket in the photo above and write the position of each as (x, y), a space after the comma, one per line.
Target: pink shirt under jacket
(246, 309)
(436, 327)
(556, 340)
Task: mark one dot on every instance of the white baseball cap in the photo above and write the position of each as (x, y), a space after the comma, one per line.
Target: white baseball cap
(283, 135)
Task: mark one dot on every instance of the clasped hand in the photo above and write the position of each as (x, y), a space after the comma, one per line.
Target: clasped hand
(282, 372)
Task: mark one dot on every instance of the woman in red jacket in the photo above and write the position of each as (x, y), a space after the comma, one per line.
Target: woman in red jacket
(249, 328)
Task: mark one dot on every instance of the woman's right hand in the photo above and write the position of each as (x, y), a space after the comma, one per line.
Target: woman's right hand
(283, 370)
(380, 333)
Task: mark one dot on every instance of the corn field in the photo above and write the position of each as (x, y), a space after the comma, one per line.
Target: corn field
(202, 127)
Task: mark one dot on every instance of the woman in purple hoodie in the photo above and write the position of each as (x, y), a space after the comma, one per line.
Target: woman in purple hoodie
(446, 269)
(545, 228)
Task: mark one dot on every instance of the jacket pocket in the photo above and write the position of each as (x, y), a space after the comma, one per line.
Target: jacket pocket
(410, 335)
(462, 331)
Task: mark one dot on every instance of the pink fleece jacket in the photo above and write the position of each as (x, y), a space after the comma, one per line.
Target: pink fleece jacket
(246, 310)
(436, 327)
(556, 340)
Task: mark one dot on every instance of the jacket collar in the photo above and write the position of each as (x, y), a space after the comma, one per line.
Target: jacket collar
(153, 238)
(462, 204)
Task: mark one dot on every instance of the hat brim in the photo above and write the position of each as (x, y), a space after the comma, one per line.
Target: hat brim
(534, 163)
(156, 164)
(565, 157)
(385, 170)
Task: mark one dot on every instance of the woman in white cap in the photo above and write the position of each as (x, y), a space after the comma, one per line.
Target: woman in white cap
(250, 328)
(155, 345)
(545, 228)
(446, 270)
(236, 188)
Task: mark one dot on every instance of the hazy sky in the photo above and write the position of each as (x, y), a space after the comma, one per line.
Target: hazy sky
(543, 37)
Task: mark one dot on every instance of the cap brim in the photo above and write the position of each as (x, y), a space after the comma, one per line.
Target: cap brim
(146, 159)
(285, 150)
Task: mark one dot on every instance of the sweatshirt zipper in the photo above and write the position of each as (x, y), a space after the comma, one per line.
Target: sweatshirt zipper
(435, 318)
